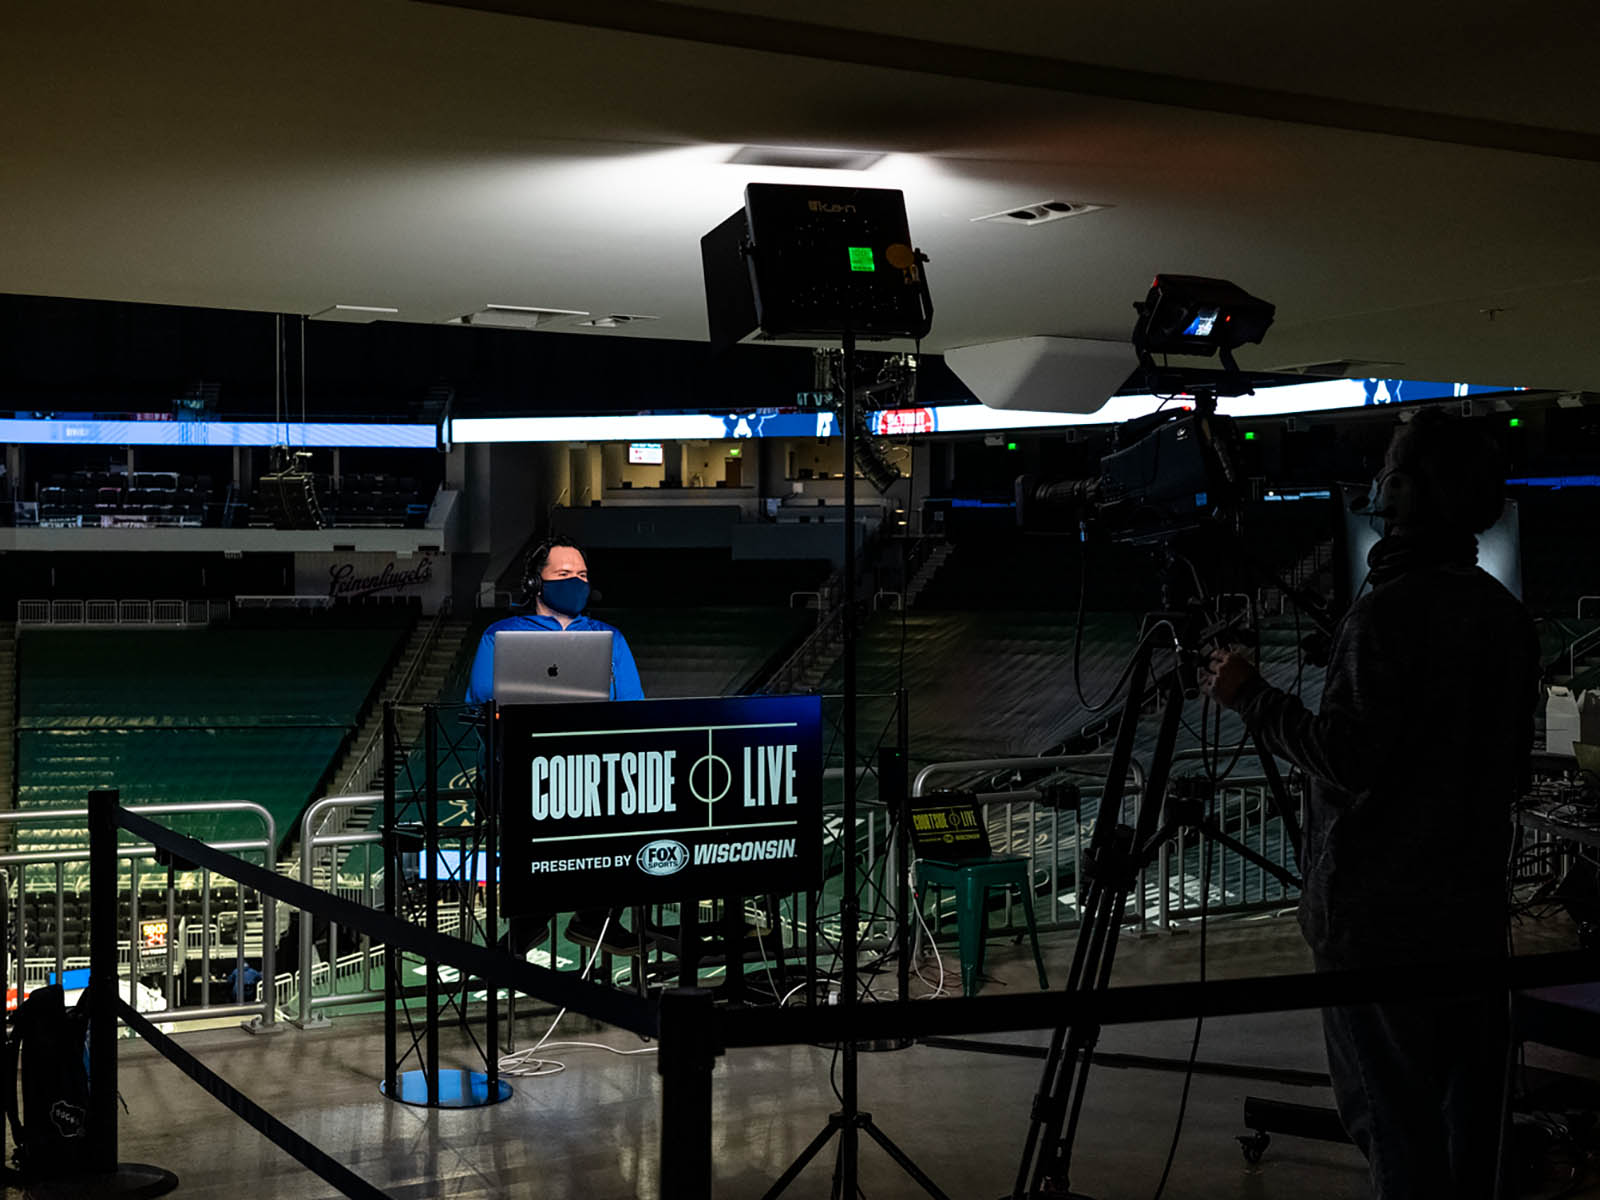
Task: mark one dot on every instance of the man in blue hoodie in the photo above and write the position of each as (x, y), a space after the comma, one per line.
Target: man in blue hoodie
(556, 584)
(556, 588)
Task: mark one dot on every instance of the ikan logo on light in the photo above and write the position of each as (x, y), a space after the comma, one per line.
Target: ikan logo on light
(663, 857)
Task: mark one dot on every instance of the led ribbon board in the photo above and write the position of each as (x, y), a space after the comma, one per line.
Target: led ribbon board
(657, 800)
(69, 431)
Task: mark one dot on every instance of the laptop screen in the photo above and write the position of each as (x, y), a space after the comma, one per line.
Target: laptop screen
(948, 826)
(536, 666)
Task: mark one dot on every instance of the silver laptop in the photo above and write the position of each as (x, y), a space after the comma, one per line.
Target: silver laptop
(545, 667)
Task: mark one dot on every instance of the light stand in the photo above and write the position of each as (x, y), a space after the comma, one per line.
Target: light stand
(849, 1121)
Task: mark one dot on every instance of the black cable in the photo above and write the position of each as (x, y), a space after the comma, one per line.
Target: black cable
(1199, 1022)
(1077, 641)
(1122, 677)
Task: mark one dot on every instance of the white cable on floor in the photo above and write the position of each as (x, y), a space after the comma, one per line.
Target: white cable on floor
(527, 1064)
(916, 907)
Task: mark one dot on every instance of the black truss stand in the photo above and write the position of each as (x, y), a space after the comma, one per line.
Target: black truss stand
(411, 826)
(850, 1122)
(1111, 867)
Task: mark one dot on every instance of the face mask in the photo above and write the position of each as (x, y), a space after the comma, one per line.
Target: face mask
(566, 596)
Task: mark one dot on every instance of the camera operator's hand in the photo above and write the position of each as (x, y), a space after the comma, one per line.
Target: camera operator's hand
(1228, 677)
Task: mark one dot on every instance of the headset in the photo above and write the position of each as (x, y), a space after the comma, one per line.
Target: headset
(533, 569)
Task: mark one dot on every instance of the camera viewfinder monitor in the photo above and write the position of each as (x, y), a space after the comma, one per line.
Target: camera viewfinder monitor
(1499, 547)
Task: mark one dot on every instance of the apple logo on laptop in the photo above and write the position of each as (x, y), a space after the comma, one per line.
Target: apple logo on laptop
(553, 670)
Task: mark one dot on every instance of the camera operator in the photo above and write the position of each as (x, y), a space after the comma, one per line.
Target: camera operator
(1421, 746)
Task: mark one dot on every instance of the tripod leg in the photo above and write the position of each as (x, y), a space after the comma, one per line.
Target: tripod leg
(1064, 1047)
(811, 1151)
(1066, 1103)
(900, 1156)
(1061, 1064)
(1150, 804)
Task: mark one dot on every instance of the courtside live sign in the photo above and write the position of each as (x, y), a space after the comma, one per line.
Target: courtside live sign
(631, 803)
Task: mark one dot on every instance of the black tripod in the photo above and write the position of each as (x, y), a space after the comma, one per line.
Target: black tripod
(850, 1121)
(1111, 868)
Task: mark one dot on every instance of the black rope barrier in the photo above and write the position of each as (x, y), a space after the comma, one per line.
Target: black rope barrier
(495, 968)
(1154, 1002)
(330, 1170)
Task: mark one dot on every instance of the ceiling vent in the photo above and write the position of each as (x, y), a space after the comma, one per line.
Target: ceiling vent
(1042, 213)
(516, 316)
(615, 320)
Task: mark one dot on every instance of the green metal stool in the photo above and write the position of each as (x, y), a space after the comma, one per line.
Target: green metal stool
(971, 881)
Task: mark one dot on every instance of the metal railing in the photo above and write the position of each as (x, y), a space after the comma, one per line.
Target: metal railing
(314, 837)
(1581, 644)
(322, 830)
(822, 639)
(1053, 839)
(1051, 843)
(182, 938)
(292, 601)
(135, 613)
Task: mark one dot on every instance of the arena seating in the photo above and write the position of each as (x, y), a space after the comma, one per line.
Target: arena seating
(241, 713)
(139, 498)
(169, 498)
(707, 651)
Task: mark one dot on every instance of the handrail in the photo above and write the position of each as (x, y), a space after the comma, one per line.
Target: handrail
(987, 765)
(1580, 644)
(309, 831)
(361, 774)
(827, 628)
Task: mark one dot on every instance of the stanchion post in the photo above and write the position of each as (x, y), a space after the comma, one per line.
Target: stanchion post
(427, 883)
(488, 799)
(391, 905)
(902, 842)
(103, 981)
(688, 1053)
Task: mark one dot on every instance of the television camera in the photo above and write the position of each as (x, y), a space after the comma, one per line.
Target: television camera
(1170, 471)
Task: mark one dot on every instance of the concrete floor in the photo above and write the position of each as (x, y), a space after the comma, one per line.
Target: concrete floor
(592, 1132)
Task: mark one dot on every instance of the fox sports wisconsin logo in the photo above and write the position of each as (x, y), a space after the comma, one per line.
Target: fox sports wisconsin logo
(663, 857)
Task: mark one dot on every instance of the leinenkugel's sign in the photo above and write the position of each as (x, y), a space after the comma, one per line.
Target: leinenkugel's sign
(631, 803)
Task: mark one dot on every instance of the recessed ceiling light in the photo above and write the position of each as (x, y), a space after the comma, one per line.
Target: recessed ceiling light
(1042, 213)
(515, 316)
(355, 313)
(615, 320)
(807, 157)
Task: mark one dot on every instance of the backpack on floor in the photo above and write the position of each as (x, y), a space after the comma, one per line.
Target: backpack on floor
(47, 1057)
